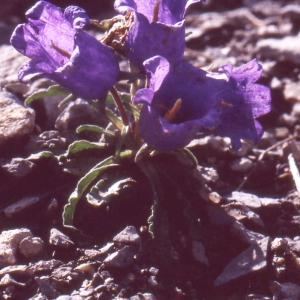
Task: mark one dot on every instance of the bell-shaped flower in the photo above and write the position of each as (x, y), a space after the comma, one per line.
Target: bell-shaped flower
(183, 101)
(62, 51)
(157, 28)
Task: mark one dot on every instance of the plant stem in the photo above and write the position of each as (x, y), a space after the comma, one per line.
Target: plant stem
(120, 106)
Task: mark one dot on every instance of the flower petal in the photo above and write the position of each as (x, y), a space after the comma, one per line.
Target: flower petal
(92, 70)
(71, 57)
(157, 67)
(25, 40)
(157, 29)
(76, 16)
(145, 40)
(165, 136)
(208, 103)
(28, 71)
(169, 12)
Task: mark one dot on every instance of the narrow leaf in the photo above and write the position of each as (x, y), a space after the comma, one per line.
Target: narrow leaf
(81, 145)
(95, 128)
(66, 100)
(121, 141)
(135, 111)
(53, 90)
(114, 119)
(125, 97)
(82, 185)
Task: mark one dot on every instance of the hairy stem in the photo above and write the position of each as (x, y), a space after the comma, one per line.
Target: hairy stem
(120, 106)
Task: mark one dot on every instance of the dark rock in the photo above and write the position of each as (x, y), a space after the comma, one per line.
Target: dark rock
(127, 236)
(251, 260)
(18, 167)
(120, 259)
(59, 239)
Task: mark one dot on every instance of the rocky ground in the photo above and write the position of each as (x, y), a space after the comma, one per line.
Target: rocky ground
(233, 222)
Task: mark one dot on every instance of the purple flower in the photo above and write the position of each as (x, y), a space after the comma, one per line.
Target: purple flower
(182, 101)
(62, 51)
(157, 29)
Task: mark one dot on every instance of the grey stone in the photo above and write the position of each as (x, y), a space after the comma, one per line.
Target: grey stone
(120, 259)
(66, 297)
(242, 164)
(242, 213)
(7, 280)
(214, 197)
(17, 270)
(276, 83)
(94, 253)
(88, 268)
(294, 244)
(15, 119)
(281, 133)
(244, 234)
(267, 140)
(198, 252)
(291, 91)
(46, 287)
(64, 272)
(251, 201)
(20, 205)
(76, 113)
(291, 11)
(9, 242)
(280, 245)
(144, 296)
(153, 271)
(251, 260)
(48, 140)
(38, 296)
(10, 61)
(288, 120)
(209, 174)
(44, 266)
(279, 265)
(152, 282)
(128, 236)
(59, 239)
(201, 24)
(285, 49)
(31, 247)
(296, 110)
(18, 167)
(270, 202)
(288, 291)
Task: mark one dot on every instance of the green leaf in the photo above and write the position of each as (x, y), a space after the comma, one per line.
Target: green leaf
(97, 197)
(82, 145)
(114, 119)
(95, 128)
(82, 185)
(186, 157)
(53, 90)
(66, 100)
(134, 110)
(121, 141)
(125, 97)
(41, 154)
(79, 166)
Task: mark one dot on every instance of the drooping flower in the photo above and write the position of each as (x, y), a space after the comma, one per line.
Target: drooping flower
(62, 51)
(183, 101)
(157, 29)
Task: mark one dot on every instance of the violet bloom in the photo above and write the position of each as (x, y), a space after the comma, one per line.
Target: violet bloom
(182, 101)
(62, 51)
(157, 29)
